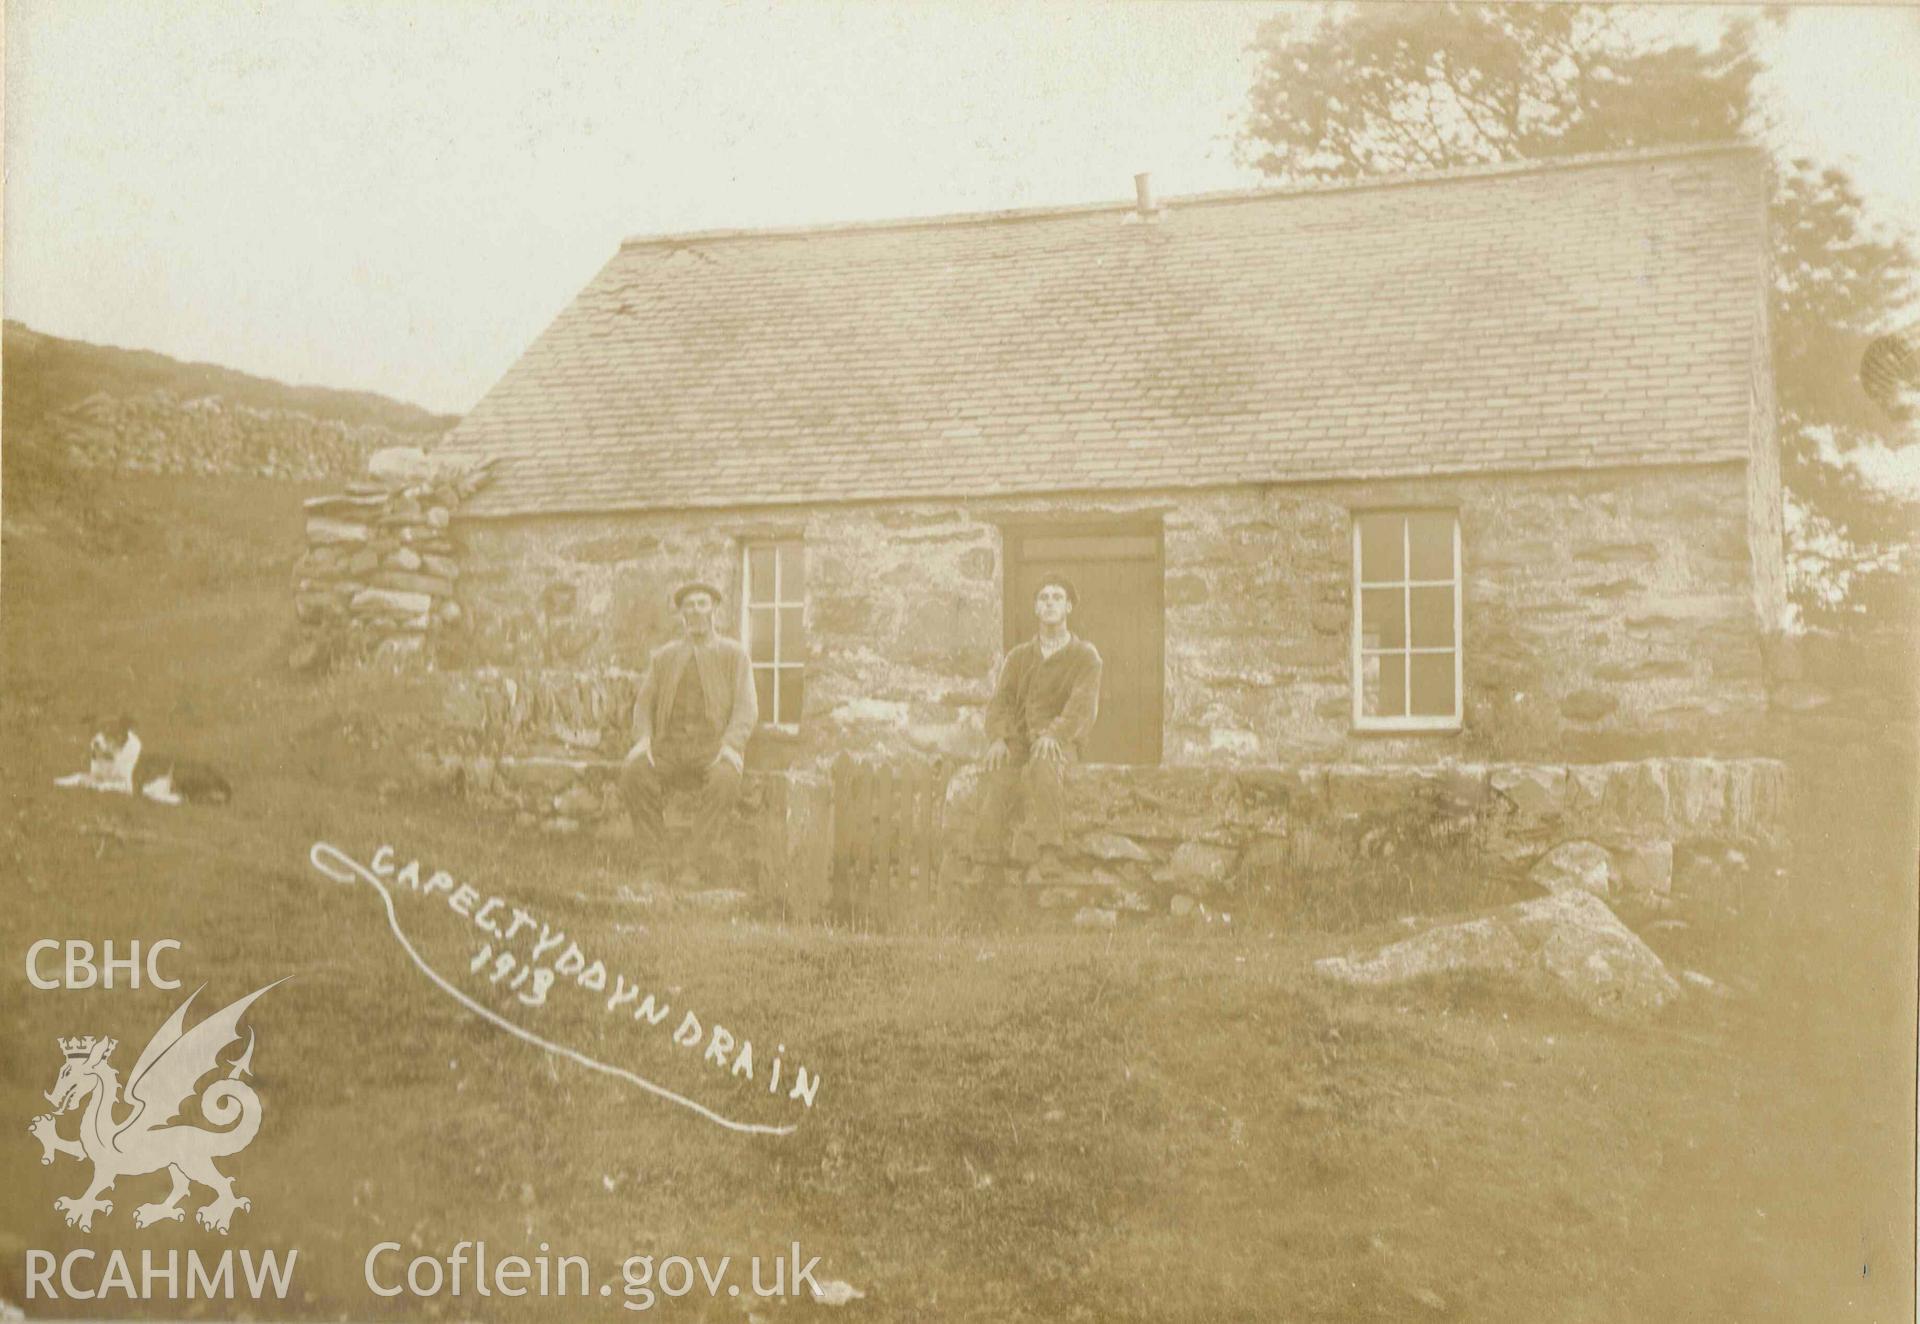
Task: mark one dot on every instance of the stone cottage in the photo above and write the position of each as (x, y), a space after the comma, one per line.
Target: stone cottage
(1474, 469)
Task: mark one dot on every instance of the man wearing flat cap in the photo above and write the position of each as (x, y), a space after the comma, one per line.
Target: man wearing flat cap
(691, 721)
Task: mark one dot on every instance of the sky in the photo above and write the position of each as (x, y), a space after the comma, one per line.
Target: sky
(400, 196)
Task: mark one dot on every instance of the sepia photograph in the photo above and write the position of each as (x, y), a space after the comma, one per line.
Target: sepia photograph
(852, 661)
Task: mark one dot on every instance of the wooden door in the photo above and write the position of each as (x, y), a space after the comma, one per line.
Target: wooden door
(1118, 575)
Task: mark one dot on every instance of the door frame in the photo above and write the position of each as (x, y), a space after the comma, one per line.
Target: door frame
(1016, 618)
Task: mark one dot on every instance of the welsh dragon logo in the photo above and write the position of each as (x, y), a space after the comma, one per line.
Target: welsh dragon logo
(151, 1135)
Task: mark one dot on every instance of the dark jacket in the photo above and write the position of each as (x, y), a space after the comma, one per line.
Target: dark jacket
(1036, 696)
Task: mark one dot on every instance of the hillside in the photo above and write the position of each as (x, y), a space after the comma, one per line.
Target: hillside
(46, 374)
(72, 406)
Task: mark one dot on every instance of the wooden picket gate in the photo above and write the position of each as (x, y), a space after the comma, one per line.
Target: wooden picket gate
(887, 827)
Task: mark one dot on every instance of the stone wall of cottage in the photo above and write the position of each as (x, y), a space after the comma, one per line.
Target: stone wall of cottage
(902, 612)
(1607, 615)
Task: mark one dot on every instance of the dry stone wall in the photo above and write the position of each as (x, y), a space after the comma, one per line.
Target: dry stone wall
(1657, 833)
(1661, 831)
(157, 433)
(381, 571)
(775, 846)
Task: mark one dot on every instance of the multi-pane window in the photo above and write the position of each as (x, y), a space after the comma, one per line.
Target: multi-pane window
(774, 628)
(1406, 635)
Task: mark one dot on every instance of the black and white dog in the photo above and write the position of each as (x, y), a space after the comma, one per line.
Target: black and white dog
(119, 762)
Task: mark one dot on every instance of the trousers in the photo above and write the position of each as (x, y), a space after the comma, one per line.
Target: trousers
(645, 787)
(1033, 785)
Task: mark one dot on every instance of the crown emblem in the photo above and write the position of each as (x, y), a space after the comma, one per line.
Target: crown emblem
(82, 1047)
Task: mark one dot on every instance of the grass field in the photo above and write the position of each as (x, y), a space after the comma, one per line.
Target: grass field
(1158, 1124)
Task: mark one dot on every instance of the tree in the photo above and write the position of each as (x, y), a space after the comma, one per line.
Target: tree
(1381, 89)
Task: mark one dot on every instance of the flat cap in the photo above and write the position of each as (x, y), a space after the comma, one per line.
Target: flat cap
(695, 586)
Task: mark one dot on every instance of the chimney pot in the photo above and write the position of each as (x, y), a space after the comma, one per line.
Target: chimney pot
(1143, 193)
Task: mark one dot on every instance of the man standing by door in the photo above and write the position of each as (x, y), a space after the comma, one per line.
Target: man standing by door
(1044, 704)
(691, 721)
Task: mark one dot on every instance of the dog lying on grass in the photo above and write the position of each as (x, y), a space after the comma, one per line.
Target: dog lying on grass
(118, 762)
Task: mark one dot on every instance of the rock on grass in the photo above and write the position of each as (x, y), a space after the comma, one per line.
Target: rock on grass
(1569, 943)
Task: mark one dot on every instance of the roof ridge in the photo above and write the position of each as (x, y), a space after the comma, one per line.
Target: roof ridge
(1316, 188)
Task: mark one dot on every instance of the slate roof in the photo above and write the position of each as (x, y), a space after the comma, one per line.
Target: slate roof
(1588, 313)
